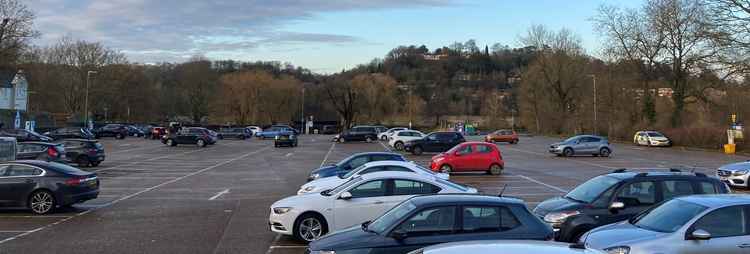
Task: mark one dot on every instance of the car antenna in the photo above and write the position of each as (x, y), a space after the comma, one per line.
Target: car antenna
(503, 190)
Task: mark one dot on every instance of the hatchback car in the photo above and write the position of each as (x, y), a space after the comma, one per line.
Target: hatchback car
(358, 133)
(368, 168)
(40, 151)
(273, 131)
(254, 130)
(238, 133)
(84, 152)
(286, 138)
(344, 166)
(582, 145)
(70, 132)
(308, 217)
(469, 156)
(619, 196)
(398, 139)
(329, 129)
(135, 131)
(384, 136)
(158, 132)
(43, 186)
(735, 174)
(502, 136)
(436, 142)
(692, 224)
(651, 138)
(117, 131)
(190, 135)
(507, 247)
(23, 135)
(435, 219)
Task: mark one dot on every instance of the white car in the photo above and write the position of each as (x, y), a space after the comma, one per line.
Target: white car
(367, 168)
(308, 217)
(254, 129)
(387, 134)
(507, 247)
(651, 138)
(400, 138)
(735, 174)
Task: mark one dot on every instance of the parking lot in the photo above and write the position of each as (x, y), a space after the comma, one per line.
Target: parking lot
(185, 199)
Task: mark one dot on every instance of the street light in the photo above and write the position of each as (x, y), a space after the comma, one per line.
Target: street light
(593, 78)
(302, 107)
(86, 105)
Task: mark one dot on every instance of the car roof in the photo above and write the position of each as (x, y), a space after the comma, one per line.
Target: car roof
(716, 200)
(37, 163)
(507, 247)
(395, 174)
(378, 153)
(463, 199)
(38, 143)
(81, 140)
(586, 135)
(390, 163)
(475, 143)
(656, 174)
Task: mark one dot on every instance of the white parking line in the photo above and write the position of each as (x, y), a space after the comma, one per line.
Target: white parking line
(289, 154)
(547, 185)
(327, 154)
(388, 149)
(13, 231)
(152, 159)
(219, 194)
(288, 247)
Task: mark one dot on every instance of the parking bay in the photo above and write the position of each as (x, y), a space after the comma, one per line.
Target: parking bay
(158, 199)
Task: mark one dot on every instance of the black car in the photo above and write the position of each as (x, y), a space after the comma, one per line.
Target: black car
(238, 133)
(286, 138)
(329, 129)
(352, 162)
(190, 135)
(434, 219)
(70, 132)
(40, 151)
(618, 196)
(380, 129)
(135, 131)
(358, 133)
(23, 135)
(117, 131)
(84, 152)
(436, 142)
(43, 186)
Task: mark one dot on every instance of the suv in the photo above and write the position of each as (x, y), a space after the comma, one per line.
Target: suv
(189, 135)
(618, 196)
(118, 131)
(238, 133)
(69, 132)
(23, 135)
(359, 133)
(84, 152)
(582, 144)
(436, 142)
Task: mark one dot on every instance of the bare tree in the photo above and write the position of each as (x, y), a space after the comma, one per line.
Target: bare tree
(342, 95)
(729, 30)
(16, 30)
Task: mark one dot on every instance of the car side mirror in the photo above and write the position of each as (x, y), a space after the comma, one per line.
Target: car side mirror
(345, 196)
(399, 234)
(615, 206)
(700, 234)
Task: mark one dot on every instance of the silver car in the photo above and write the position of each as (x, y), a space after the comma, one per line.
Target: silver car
(717, 224)
(582, 145)
(735, 174)
(505, 247)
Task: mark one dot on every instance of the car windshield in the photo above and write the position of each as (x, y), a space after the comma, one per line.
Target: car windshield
(668, 217)
(655, 134)
(344, 186)
(590, 190)
(391, 217)
(344, 161)
(352, 172)
(570, 140)
(452, 184)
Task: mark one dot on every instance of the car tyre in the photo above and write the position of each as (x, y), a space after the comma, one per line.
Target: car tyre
(605, 152)
(568, 152)
(399, 146)
(495, 169)
(446, 169)
(42, 202)
(309, 227)
(368, 139)
(170, 142)
(515, 141)
(201, 143)
(119, 136)
(242, 137)
(383, 138)
(95, 163)
(417, 150)
(342, 140)
(82, 161)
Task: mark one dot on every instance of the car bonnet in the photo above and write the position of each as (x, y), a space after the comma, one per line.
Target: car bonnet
(622, 233)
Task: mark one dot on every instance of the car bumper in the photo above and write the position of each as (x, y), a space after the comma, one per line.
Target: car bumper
(735, 181)
(70, 199)
(660, 143)
(286, 142)
(555, 150)
(282, 223)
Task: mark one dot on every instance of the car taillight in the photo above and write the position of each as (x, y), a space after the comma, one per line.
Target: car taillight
(93, 151)
(52, 152)
(74, 181)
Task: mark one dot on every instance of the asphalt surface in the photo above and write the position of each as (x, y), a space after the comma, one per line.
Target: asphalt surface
(185, 199)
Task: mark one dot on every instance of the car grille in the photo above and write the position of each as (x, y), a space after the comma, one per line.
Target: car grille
(722, 172)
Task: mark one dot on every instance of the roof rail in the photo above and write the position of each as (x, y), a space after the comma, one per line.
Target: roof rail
(699, 174)
(641, 174)
(675, 170)
(620, 170)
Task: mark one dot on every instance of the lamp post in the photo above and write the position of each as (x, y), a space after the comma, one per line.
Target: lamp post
(593, 78)
(86, 103)
(302, 109)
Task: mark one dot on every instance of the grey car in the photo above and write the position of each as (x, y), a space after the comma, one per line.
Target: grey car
(582, 145)
(717, 224)
(505, 247)
(735, 174)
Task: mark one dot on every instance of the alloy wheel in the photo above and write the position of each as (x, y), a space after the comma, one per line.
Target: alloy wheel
(445, 169)
(41, 202)
(310, 229)
(399, 146)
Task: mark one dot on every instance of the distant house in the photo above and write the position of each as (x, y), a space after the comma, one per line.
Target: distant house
(434, 57)
(13, 90)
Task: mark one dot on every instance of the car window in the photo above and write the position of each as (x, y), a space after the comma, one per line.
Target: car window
(398, 169)
(668, 217)
(591, 189)
(707, 188)
(431, 221)
(464, 150)
(381, 157)
(724, 222)
(408, 187)
(30, 148)
(404, 134)
(432, 137)
(23, 170)
(4, 170)
(356, 162)
(483, 149)
(638, 194)
(371, 170)
(488, 219)
(369, 189)
(672, 189)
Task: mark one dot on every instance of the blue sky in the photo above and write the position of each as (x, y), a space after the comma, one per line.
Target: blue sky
(323, 35)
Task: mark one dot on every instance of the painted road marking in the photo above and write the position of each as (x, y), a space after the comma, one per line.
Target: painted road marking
(327, 154)
(547, 185)
(219, 194)
(289, 154)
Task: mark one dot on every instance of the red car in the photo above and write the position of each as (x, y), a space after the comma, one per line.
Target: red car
(469, 156)
(158, 132)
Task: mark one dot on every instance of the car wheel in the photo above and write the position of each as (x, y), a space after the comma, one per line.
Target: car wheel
(242, 137)
(446, 169)
(82, 161)
(567, 152)
(119, 136)
(368, 139)
(170, 142)
(605, 152)
(201, 143)
(383, 138)
(309, 227)
(95, 163)
(399, 146)
(495, 169)
(42, 202)
(417, 150)
(515, 141)
(342, 140)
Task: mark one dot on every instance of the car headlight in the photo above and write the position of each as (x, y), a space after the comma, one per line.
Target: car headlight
(315, 176)
(618, 250)
(281, 210)
(276, 137)
(740, 172)
(291, 137)
(559, 217)
(417, 251)
(323, 252)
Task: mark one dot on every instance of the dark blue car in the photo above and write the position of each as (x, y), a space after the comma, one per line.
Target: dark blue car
(352, 162)
(434, 219)
(275, 130)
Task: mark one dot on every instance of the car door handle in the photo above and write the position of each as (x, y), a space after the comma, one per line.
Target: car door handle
(29, 181)
(378, 202)
(744, 246)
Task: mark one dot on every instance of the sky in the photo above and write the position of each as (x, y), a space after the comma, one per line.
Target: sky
(325, 36)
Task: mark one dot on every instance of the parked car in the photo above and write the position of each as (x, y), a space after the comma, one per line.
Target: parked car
(254, 130)
(502, 136)
(368, 168)
(134, 131)
(117, 131)
(469, 156)
(70, 132)
(84, 152)
(286, 138)
(435, 219)
(213, 136)
(43, 186)
(618, 196)
(158, 132)
(238, 133)
(23, 135)
(189, 135)
(273, 131)
(436, 142)
(399, 138)
(380, 129)
(582, 145)
(8, 149)
(358, 133)
(651, 138)
(329, 129)
(692, 224)
(388, 133)
(308, 217)
(40, 151)
(344, 166)
(735, 174)
(507, 247)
